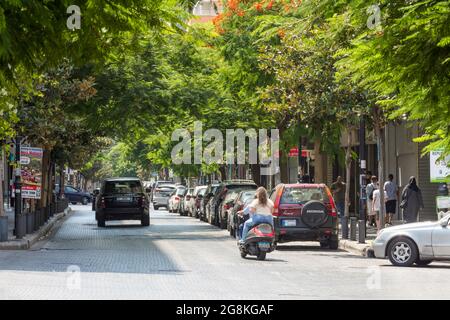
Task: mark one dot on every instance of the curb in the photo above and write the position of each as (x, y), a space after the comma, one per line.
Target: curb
(360, 249)
(29, 240)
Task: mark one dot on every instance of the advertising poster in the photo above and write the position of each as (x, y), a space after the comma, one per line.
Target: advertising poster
(439, 170)
(31, 173)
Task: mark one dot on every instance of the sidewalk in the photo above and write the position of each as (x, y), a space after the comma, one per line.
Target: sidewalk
(361, 249)
(30, 239)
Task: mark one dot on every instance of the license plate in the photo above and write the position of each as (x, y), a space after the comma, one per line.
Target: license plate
(124, 199)
(288, 223)
(264, 245)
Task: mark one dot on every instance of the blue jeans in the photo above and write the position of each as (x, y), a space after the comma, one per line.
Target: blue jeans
(253, 221)
(340, 207)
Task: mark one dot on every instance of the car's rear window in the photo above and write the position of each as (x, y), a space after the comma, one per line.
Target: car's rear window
(181, 191)
(201, 192)
(165, 192)
(302, 195)
(247, 195)
(242, 186)
(123, 187)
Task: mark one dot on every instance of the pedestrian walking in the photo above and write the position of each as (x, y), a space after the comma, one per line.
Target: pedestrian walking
(371, 187)
(391, 198)
(338, 190)
(412, 201)
(376, 206)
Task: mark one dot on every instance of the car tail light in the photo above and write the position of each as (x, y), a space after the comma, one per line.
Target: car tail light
(276, 210)
(332, 205)
(227, 206)
(177, 198)
(188, 198)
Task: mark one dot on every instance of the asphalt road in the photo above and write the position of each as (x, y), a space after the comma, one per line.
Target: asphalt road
(183, 258)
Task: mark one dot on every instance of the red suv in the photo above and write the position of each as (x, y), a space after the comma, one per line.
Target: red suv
(305, 212)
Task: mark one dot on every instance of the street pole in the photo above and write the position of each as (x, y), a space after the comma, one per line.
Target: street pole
(362, 181)
(18, 192)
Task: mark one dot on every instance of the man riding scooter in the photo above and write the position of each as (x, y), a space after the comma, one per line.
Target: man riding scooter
(257, 236)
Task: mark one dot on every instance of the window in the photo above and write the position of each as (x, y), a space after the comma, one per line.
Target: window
(70, 189)
(301, 195)
(123, 187)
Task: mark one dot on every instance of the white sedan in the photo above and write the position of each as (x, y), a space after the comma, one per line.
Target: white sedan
(415, 243)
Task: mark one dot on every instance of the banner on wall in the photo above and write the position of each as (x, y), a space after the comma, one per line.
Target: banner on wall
(31, 172)
(439, 170)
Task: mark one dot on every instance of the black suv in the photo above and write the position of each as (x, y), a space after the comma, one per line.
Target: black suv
(233, 185)
(122, 199)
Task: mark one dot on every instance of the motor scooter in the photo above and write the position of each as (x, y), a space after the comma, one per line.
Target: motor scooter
(259, 241)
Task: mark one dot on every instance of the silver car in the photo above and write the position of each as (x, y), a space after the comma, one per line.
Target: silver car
(418, 243)
(161, 196)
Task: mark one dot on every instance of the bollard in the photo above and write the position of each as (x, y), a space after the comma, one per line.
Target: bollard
(3, 228)
(21, 225)
(344, 227)
(362, 231)
(30, 222)
(353, 228)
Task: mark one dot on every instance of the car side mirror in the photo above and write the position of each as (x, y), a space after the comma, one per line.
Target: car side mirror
(444, 223)
(96, 192)
(210, 194)
(148, 190)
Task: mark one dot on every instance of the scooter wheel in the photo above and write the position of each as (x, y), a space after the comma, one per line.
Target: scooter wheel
(243, 254)
(261, 255)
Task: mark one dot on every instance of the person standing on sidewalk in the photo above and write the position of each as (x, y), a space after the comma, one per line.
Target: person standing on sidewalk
(376, 205)
(371, 187)
(412, 201)
(338, 190)
(391, 199)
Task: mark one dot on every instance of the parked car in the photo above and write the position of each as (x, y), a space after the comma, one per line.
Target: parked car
(198, 201)
(75, 195)
(414, 243)
(305, 212)
(226, 205)
(185, 201)
(210, 192)
(161, 196)
(159, 184)
(226, 186)
(191, 205)
(122, 199)
(242, 199)
(175, 199)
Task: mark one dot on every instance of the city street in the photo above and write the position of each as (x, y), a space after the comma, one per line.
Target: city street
(183, 258)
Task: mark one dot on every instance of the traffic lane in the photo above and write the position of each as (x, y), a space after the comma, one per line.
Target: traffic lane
(183, 258)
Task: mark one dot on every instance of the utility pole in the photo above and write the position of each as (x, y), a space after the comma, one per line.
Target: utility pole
(18, 193)
(362, 180)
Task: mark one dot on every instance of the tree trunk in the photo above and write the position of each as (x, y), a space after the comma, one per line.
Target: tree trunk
(223, 172)
(348, 168)
(319, 164)
(256, 173)
(380, 142)
(45, 171)
(284, 172)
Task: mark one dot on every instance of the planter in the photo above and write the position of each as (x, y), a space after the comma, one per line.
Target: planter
(30, 222)
(3, 228)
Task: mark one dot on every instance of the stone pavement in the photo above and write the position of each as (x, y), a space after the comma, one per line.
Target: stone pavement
(183, 258)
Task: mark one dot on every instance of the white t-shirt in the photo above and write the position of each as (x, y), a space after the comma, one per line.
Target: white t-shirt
(376, 199)
(260, 209)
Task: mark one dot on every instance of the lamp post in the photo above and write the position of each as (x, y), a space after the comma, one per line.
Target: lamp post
(19, 229)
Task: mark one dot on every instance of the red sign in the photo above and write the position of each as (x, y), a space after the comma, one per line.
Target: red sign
(293, 152)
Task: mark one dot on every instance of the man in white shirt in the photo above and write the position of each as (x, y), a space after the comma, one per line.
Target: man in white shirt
(376, 205)
(391, 200)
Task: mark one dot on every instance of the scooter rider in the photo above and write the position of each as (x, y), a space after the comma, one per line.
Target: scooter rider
(261, 210)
